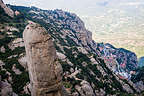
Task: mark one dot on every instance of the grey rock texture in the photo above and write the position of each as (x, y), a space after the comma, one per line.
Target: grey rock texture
(16, 43)
(6, 89)
(44, 70)
(87, 89)
(23, 61)
(2, 49)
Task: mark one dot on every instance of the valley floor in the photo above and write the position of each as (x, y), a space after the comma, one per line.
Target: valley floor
(133, 44)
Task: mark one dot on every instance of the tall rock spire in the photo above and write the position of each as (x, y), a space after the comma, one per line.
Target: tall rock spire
(6, 9)
(44, 70)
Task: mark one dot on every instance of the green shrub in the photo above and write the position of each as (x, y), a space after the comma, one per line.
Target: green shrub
(19, 81)
(67, 84)
(3, 74)
(80, 76)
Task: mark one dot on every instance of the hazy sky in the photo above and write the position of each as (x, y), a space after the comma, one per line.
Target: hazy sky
(80, 7)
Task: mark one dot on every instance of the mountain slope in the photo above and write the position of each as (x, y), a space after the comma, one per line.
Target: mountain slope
(7, 10)
(13, 75)
(86, 72)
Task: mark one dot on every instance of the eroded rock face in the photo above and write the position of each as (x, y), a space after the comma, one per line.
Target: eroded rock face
(121, 61)
(6, 89)
(6, 9)
(84, 89)
(44, 70)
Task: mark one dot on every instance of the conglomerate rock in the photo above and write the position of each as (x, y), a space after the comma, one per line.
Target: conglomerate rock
(44, 70)
(6, 9)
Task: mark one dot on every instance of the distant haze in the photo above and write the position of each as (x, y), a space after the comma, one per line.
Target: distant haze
(80, 7)
(119, 22)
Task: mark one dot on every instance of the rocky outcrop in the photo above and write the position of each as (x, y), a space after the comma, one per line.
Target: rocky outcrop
(6, 9)
(44, 70)
(16, 43)
(70, 24)
(23, 61)
(85, 89)
(2, 49)
(85, 71)
(6, 89)
(121, 61)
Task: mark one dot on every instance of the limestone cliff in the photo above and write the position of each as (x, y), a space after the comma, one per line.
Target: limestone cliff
(6, 9)
(44, 70)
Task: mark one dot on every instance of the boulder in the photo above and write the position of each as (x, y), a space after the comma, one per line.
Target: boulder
(23, 61)
(6, 89)
(85, 89)
(2, 49)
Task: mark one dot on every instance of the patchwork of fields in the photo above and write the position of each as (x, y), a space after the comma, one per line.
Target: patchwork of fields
(118, 29)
